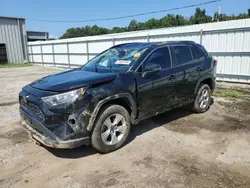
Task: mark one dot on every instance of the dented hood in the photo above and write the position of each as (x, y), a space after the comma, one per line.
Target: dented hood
(71, 79)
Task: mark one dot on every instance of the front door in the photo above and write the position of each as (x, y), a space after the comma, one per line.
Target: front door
(156, 90)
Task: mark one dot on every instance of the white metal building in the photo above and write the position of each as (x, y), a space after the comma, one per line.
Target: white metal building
(37, 36)
(13, 42)
(228, 42)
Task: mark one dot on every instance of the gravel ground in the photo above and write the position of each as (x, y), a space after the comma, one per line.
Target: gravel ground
(176, 149)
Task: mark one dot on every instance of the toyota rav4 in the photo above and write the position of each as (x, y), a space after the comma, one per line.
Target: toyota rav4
(97, 103)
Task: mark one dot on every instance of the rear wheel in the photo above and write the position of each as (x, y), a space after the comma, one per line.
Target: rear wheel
(203, 99)
(112, 128)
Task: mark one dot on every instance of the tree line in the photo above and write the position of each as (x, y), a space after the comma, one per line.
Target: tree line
(170, 20)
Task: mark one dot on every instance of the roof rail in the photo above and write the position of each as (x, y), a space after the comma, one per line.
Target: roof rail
(187, 41)
(180, 41)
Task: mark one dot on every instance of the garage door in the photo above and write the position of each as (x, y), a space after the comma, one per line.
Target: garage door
(3, 54)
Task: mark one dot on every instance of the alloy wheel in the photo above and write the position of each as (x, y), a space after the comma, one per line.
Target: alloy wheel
(204, 98)
(113, 129)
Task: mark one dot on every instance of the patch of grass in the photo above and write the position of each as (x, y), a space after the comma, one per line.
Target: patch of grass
(9, 65)
(228, 93)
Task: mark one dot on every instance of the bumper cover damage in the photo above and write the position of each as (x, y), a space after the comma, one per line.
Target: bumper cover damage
(40, 133)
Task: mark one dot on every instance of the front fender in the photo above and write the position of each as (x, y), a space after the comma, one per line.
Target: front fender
(127, 96)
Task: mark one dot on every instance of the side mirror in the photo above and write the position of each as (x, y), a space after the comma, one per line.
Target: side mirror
(151, 68)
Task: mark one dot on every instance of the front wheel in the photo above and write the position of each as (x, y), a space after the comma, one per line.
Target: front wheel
(112, 128)
(202, 99)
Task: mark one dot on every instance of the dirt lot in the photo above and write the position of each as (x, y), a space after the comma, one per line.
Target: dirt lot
(175, 149)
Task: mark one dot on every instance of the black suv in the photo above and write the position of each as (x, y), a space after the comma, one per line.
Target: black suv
(97, 103)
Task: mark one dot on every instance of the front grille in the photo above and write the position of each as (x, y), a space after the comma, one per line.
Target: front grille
(34, 109)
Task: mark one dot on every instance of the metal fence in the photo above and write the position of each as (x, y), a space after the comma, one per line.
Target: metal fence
(228, 42)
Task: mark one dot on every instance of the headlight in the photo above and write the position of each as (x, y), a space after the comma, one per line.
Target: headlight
(64, 98)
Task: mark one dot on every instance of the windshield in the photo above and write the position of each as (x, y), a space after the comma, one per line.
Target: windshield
(116, 59)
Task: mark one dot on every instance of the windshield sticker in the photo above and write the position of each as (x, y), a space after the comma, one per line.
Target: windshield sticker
(122, 62)
(137, 55)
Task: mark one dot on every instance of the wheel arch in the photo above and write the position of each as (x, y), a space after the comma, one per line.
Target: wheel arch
(124, 99)
(209, 80)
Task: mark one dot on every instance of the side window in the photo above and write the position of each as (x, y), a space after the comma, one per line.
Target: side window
(160, 56)
(182, 55)
(198, 54)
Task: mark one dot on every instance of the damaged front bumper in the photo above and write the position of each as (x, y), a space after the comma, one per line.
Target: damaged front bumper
(43, 135)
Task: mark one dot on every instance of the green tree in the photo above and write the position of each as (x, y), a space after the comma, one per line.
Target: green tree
(151, 23)
(164, 22)
(200, 17)
(141, 26)
(180, 20)
(117, 30)
(132, 25)
(169, 20)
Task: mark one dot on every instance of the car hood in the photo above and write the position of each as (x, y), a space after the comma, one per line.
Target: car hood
(71, 79)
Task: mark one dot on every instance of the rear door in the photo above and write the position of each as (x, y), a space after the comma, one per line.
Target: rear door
(186, 71)
(201, 56)
(156, 91)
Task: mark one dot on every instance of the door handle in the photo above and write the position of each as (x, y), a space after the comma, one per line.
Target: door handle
(198, 69)
(172, 77)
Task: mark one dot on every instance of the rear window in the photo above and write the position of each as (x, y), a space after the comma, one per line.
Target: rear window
(182, 55)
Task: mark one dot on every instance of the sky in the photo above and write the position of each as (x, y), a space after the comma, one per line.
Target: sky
(94, 9)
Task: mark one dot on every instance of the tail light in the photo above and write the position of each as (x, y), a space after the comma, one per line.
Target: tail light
(215, 62)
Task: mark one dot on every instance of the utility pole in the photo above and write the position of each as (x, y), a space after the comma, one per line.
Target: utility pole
(219, 12)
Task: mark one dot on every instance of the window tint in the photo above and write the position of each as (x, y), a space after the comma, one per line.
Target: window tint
(203, 49)
(160, 56)
(182, 55)
(198, 54)
(117, 59)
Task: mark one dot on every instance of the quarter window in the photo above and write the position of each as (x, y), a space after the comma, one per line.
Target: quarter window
(160, 56)
(182, 55)
(198, 54)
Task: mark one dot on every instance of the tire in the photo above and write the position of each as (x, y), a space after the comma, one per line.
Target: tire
(203, 98)
(109, 134)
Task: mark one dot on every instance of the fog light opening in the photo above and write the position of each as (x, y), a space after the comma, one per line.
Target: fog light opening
(73, 123)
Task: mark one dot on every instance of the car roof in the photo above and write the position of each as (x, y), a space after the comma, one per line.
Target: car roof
(174, 42)
(153, 44)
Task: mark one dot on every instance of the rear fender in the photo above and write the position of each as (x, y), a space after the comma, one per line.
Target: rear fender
(201, 80)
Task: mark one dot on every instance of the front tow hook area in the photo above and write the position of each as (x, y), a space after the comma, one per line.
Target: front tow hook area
(50, 142)
(32, 139)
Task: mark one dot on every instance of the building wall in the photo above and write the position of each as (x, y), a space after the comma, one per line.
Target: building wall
(228, 42)
(37, 36)
(13, 34)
